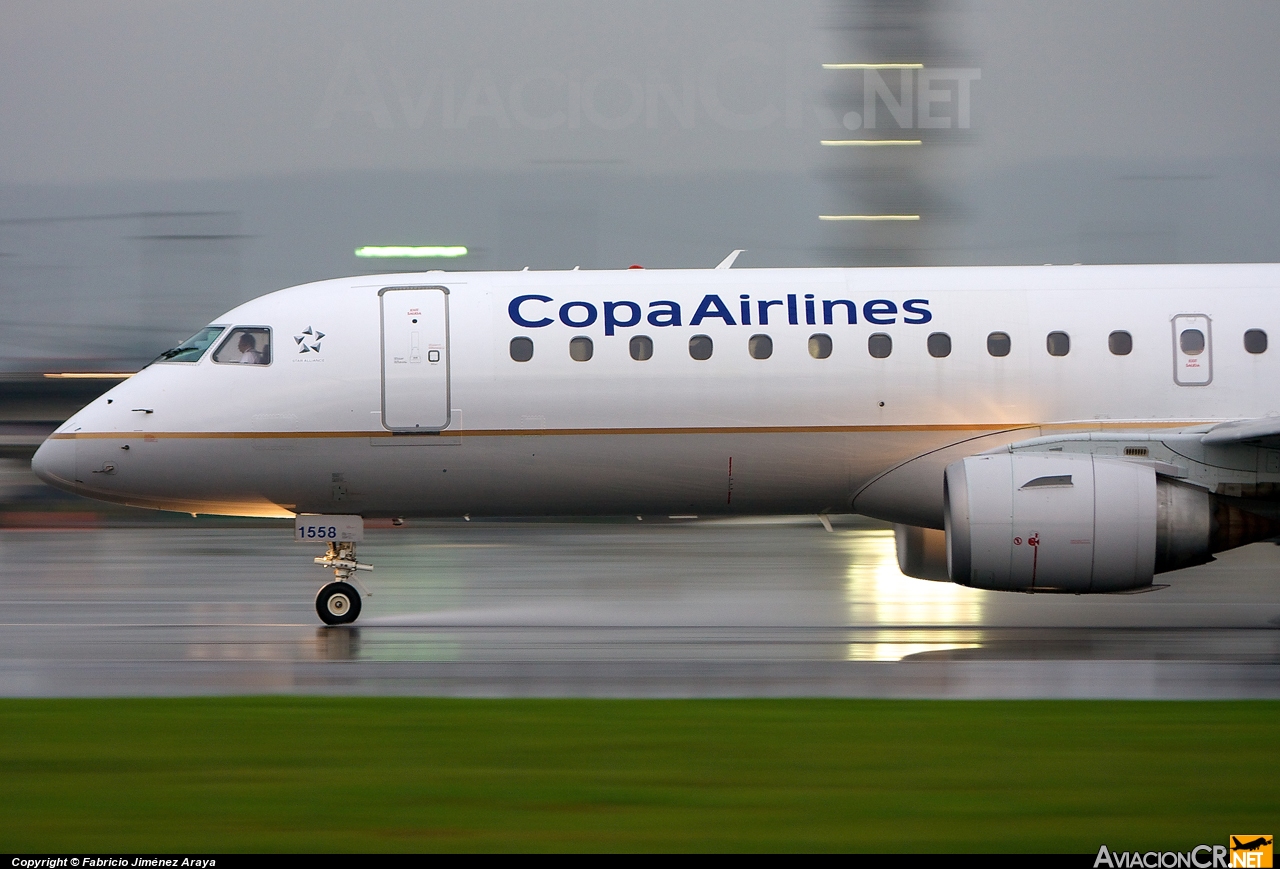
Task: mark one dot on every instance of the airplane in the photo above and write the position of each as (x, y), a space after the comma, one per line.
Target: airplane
(1251, 845)
(1055, 429)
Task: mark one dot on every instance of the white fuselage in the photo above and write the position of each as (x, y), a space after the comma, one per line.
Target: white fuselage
(395, 417)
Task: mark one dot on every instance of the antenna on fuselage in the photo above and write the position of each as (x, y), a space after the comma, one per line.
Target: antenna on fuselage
(727, 262)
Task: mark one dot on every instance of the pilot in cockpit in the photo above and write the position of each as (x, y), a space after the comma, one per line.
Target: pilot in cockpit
(249, 350)
(245, 346)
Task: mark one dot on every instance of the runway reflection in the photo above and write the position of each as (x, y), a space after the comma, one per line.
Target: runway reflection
(773, 606)
(879, 595)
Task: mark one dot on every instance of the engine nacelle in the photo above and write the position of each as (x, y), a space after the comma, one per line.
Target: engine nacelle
(922, 552)
(1080, 523)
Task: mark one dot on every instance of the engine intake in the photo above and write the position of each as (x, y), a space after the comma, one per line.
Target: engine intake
(1080, 524)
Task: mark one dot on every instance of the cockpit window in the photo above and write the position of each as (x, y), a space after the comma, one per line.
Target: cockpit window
(247, 345)
(193, 348)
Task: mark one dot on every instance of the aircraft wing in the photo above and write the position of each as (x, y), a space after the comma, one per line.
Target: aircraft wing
(1264, 431)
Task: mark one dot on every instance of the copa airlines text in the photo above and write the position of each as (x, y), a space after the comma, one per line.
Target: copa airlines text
(665, 312)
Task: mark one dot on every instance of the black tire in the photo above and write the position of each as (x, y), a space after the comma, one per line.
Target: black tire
(338, 603)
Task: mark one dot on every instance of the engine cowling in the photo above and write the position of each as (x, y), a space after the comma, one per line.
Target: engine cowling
(1080, 523)
(922, 552)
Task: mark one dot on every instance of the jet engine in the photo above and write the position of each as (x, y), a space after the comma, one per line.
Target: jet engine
(1080, 524)
(922, 552)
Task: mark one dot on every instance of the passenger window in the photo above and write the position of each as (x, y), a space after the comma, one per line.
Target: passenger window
(939, 344)
(1058, 343)
(521, 349)
(246, 346)
(1120, 343)
(641, 348)
(700, 347)
(819, 346)
(1191, 341)
(760, 346)
(193, 348)
(880, 345)
(581, 349)
(999, 344)
(1255, 341)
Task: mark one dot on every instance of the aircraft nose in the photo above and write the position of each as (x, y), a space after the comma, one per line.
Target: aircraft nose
(55, 463)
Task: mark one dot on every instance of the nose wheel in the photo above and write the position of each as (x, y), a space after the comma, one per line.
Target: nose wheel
(338, 603)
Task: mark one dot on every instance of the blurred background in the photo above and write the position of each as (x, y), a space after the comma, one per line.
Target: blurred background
(161, 162)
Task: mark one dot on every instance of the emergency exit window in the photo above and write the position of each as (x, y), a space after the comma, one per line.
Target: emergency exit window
(1191, 341)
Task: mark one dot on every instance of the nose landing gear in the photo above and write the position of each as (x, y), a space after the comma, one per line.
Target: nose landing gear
(338, 602)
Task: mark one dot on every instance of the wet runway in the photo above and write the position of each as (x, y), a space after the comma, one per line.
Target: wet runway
(736, 608)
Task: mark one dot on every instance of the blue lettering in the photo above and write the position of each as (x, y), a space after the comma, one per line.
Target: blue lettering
(850, 311)
(514, 311)
(610, 320)
(623, 315)
(917, 306)
(569, 321)
(668, 316)
(875, 311)
(764, 310)
(712, 306)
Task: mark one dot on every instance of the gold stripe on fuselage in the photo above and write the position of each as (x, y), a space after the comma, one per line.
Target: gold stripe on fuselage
(1092, 425)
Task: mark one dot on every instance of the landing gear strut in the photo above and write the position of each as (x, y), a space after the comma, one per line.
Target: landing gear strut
(338, 602)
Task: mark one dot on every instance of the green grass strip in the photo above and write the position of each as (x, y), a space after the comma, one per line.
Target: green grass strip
(389, 774)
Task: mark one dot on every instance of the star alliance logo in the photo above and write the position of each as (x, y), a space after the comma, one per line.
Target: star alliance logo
(309, 340)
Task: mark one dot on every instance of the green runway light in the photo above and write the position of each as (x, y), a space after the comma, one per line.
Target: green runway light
(409, 252)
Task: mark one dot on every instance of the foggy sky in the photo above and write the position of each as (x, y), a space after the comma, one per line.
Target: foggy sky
(161, 162)
(162, 91)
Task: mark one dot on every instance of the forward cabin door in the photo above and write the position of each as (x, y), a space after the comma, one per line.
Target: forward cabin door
(415, 358)
(1192, 350)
